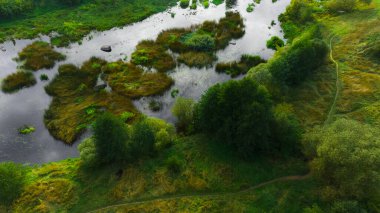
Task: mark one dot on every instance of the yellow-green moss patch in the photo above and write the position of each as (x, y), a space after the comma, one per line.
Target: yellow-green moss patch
(17, 81)
(150, 54)
(39, 55)
(131, 81)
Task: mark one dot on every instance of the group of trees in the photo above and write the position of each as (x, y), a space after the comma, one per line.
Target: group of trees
(114, 141)
(346, 159)
(10, 8)
(242, 114)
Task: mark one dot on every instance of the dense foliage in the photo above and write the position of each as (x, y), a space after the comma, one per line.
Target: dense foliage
(12, 181)
(237, 112)
(305, 55)
(347, 160)
(110, 137)
(10, 8)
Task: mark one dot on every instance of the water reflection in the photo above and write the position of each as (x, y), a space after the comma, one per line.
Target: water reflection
(28, 105)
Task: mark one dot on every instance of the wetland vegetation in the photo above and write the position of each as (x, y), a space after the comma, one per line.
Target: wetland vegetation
(17, 81)
(298, 133)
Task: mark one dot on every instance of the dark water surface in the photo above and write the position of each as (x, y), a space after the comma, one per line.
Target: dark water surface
(27, 106)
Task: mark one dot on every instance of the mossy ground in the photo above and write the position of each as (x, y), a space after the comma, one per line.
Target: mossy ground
(205, 166)
(74, 22)
(39, 55)
(17, 81)
(76, 101)
(359, 78)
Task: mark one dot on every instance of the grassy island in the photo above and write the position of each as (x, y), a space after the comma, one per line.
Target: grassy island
(17, 81)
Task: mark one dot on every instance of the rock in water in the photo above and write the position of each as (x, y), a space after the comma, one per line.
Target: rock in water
(106, 48)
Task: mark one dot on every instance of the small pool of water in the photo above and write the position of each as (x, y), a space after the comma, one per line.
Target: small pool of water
(27, 106)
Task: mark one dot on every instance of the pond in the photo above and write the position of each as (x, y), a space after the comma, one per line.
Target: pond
(27, 106)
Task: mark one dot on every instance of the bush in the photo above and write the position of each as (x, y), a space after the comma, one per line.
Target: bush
(238, 113)
(183, 110)
(110, 137)
(347, 206)
(12, 181)
(10, 8)
(87, 151)
(336, 6)
(275, 42)
(346, 159)
(184, 3)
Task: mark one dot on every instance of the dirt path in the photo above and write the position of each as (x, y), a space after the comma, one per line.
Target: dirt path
(337, 84)
(206, 195)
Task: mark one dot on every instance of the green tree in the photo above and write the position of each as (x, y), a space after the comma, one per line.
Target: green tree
(183, 109)
(347, 159)
(286, 130)
(110, 137)
(12, 181)
(239, 113)
(143, 139)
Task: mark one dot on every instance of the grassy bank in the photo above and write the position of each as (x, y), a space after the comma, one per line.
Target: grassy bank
(74, 22)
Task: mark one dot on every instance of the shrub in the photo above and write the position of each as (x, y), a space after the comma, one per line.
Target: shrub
(110, 137)
(183, 110)
(347, 206)
(184, 3)
(275, 42)
(335, 6)
(12, 181)
(346, 159)
(87, 152)
(17, 81)
(238, 113)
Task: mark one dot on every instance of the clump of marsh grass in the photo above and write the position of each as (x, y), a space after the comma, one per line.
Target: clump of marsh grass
(16, 81)
(236, 68)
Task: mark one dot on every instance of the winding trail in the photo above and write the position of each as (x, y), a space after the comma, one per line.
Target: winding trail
(337, 84)
(206, 195)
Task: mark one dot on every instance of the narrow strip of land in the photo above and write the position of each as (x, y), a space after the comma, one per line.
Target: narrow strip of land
(205, 195)
(337, 82)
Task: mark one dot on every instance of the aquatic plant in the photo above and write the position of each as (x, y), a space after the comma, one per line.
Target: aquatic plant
(44, 77)
(275, 43)
(17, 81)
(174, 93)
(26, 130)
(155, 106)
(150, 54)
(39, 55)
(197, 59)
(250, 7)
(131, 81)
(241, 67)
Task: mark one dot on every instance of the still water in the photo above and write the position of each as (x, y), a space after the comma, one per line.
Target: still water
(27, 106)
